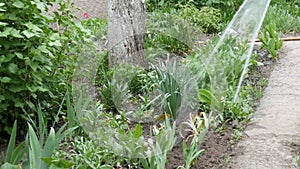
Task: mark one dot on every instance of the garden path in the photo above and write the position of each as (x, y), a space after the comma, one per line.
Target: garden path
(94, 8)
(273, 136)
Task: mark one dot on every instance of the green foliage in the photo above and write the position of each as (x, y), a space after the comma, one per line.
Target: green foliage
(170, 90)
(54, 163)
(71, 113)
(36, 61)
(270, 40)
(227, 8)
(198, 126)
(98, 27)
(207, 18)
(240, 110)
(14, 155)
(298, 161)
(190, 153)
(165, 141)
(155, 5)
(206, 97)
(143, 82)
(291, 6)
(7, 165)
(87, 155)
(43, 144)
(285, 20)
(36, 146)
(170, 32)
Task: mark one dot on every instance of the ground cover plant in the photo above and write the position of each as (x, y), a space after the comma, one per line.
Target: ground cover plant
(160, 92)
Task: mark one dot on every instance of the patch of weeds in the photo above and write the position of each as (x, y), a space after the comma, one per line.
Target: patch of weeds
(237, 134)
(165, 140)
(239, 110)
(283, 18)
(85, 153)
(228, 160)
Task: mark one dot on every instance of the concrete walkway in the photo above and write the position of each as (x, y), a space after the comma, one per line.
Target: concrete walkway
(274, 133)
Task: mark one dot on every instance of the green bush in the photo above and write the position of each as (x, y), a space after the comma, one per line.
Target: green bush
(207, 18)
(34, 65)
(227, 8)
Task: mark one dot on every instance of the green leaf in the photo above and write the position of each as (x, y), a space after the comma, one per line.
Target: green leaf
(58, 163)
(33, 27)
(207, 97)
(19, 153)
(55, 43)
(17, 88)
(39, 5)
(33, 65)
(28, 34)
(50, 144)
(3, 23)
(106, 167)
(19, 104)
(8, 57)
(6, 32)
(16, 33)
(2, 4)
(5, 80)
(54, 36)
(19, 55)
(13, 68)
(138, 131)
(9, 166)
(18, 4)
(35, 150)
(11, 143)
(52, 166)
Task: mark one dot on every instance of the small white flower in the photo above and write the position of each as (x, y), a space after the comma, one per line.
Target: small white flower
(155, 130)
(118, 116)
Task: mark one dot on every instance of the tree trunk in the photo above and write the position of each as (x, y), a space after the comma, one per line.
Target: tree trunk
(126, 32)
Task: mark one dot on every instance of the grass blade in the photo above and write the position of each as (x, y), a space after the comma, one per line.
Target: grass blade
(11, 143)
(35, 150)
(18, 153)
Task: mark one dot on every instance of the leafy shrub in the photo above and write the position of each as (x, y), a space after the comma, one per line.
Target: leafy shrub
(227, 8)
(154, 5)
(34, 64)
(207, 18)
(88, 154)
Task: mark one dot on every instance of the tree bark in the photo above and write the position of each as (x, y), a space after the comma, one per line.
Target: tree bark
(126, 32)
